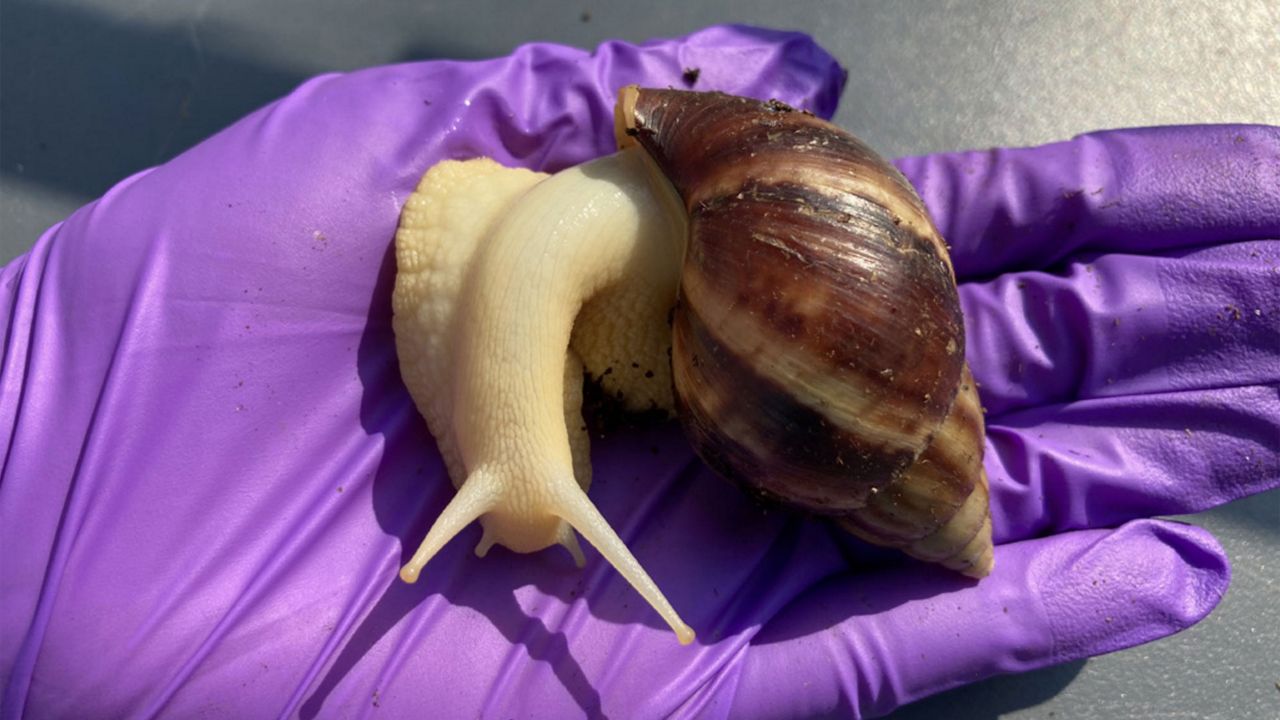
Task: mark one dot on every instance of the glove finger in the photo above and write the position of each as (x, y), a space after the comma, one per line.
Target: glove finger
(1123, 325)
(864, 645)
(1098, 463)
(205, 394)
(1128, 387)
(1133, 191)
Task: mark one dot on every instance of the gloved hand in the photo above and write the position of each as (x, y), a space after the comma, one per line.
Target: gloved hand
(212, 471)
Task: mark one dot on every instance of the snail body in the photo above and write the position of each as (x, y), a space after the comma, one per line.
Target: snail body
(752, 269)
(497, 270)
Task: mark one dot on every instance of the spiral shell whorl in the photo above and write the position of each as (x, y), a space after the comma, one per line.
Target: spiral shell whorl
(938, 509)
(818, 342)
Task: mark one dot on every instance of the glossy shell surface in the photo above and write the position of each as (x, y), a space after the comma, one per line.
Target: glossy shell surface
(818, 347)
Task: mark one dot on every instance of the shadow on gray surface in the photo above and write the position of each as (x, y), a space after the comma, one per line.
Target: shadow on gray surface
(90, 99)
(995, 697)
(1260, 513)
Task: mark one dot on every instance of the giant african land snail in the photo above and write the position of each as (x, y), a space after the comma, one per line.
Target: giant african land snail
(782, 278)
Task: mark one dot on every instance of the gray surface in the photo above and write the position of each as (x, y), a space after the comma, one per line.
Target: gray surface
(92, 90)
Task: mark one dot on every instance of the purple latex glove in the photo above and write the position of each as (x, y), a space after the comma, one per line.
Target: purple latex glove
(213, 471)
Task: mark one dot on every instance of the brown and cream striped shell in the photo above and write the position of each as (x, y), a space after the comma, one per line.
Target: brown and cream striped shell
(818, 350)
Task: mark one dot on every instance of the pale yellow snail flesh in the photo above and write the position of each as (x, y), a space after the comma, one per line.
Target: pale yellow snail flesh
(508, 283)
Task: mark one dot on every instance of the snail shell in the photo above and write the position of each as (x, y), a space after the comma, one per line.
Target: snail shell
(818, 343)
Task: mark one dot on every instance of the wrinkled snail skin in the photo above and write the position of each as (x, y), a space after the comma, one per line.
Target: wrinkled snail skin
(751, 268)
(815, 279)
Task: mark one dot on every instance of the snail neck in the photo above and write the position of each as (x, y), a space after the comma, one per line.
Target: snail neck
(592, 252)
(645, 191)
(663, 197)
